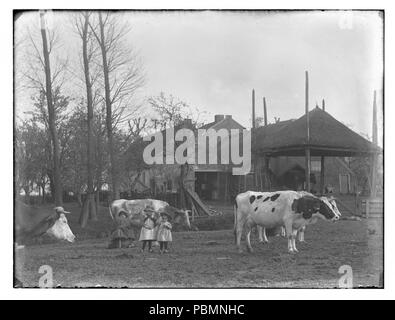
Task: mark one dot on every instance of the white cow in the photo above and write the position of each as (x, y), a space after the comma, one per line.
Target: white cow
(32, 222)
(290, 209)
(262, 231)
(131, 209)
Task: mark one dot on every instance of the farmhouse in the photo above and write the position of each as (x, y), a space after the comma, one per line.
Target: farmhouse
(210, 181)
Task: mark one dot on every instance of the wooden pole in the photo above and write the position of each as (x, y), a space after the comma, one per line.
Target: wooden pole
(307, 150)
(254, 165)
(226, 187)
(253, 109)
(264, 111)
(266, 158)
(373, 180)
(322, 178)
(374, 125)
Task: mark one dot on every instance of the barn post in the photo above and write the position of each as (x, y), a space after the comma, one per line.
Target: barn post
(253, 109)
(264, 111)
(307, 149)
(226, 187)
(266, 158)
(322, 178)
(253, 125)
(373, 189)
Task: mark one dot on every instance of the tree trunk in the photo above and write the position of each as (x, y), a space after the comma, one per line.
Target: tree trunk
(107, 91)
(89, 207)
(27, 194)
(97, 199)
(79, 199)
(43, 194)
(99, 162)
(51, 116)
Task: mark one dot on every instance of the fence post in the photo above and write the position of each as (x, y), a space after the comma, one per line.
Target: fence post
(358, 204)
(367, 208)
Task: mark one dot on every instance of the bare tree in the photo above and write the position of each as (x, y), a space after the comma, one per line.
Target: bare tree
(82, 26)
(122, 76)
(44, 70)
(51, 114)
(170, 109)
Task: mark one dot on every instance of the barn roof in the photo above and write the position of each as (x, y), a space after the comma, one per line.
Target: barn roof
(328, 137)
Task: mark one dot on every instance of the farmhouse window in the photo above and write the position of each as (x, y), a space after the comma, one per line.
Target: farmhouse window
(316, 165)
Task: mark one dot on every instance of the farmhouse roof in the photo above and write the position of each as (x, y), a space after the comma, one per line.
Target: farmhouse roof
(223, 122)
(328, 137)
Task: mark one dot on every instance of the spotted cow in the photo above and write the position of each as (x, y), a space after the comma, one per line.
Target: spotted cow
(281, 231)
(290, 209)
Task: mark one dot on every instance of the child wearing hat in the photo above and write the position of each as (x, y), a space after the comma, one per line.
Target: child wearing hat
(148, 230)
(164, 232)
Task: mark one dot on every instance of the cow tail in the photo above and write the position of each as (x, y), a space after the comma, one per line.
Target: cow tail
(109, 208)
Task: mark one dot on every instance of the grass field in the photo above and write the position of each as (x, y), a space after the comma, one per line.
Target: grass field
(208, 259)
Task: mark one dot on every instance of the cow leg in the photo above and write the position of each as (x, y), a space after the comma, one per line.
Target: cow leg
(249, 226)
(262, 235)
(294, 233)
(301, 234)
(248, 236)
(265, 240)
(283, 232)
(289, 232)
(239, 232)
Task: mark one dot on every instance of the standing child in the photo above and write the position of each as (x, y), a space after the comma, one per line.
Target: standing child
(148, 234)
(164, 233)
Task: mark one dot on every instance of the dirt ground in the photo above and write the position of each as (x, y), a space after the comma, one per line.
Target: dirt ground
(210, 259)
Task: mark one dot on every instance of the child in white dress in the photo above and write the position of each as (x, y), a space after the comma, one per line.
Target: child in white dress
(148, 230)
(164, 233)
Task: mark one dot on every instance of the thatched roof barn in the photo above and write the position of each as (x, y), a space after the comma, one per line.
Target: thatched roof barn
(328, 137)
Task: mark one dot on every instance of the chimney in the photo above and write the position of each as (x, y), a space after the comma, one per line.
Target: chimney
(218, 118)
(323, 104)
(228, 116)
(188, 121)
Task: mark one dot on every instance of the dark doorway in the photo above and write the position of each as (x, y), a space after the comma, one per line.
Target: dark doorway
(294, 178)
(206, 185)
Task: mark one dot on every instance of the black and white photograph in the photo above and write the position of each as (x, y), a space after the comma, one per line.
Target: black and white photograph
(198, 148)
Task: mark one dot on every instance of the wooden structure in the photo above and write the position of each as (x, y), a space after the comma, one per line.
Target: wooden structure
(327, 138)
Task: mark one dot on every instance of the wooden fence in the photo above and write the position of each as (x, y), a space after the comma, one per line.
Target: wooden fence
(372, 208)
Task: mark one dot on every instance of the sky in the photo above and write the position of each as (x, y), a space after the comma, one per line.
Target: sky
(213, 59)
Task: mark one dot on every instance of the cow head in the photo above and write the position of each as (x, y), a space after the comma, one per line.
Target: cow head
(307, 206)
(61, 229)
(329, 209)
(178, 216)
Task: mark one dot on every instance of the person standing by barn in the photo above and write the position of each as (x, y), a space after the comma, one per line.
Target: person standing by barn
(148, 230)
(164, 233)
